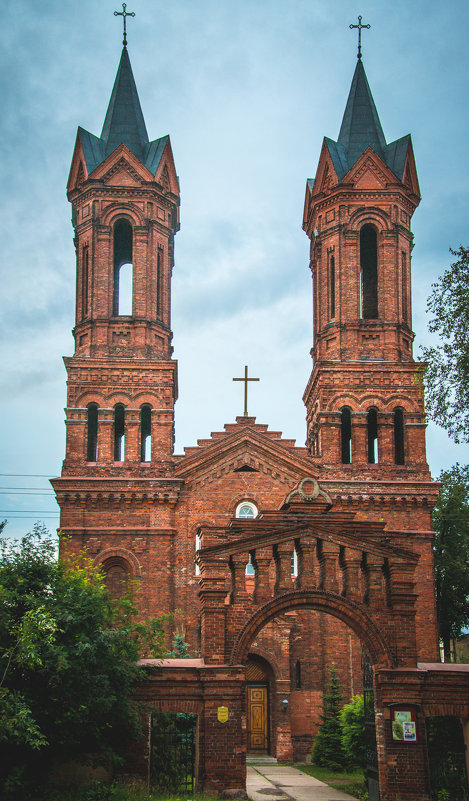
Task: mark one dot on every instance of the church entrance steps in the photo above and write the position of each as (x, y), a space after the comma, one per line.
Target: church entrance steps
(260, 759)
(285, 783)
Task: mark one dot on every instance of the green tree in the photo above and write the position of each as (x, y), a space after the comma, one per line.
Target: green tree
(352, 720)
(447, 375)
(451, 547)
(327, 747)
(68, 667)
(180, 649)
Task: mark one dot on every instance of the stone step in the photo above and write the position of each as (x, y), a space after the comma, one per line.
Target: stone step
(260, 759)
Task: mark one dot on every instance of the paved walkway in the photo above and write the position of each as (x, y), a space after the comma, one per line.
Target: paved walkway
(267, 781)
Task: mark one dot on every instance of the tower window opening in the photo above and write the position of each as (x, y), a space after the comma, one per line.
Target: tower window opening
(145, 433)
(399, 454)
(346, 435)
(369, 272)
(119, 433)
(116, 577)
(332, 287)
(159, 283)
(372, 431)
(85, 278)
(123, 269)
(405, 313)
(92, 433)
(298, 675)
(294, 563)
(197, 548)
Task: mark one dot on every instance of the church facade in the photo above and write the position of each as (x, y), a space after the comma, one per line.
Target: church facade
(283, 559)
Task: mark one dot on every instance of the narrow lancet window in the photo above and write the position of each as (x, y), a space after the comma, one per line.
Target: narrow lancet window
(405, 313)
(123, 269)
(84, 287)
(399, 453)
(119, 433)
(159, 283)
(92, 433)
(332, 287)
(372, 432)
(298, 675)
(369, 272)
(145, 433)
(346, 435)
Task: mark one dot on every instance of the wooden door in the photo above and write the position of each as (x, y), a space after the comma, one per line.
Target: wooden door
(257, 718)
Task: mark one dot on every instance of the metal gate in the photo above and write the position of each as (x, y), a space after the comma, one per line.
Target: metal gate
(371, 770)
(446, 758)
(172, 757)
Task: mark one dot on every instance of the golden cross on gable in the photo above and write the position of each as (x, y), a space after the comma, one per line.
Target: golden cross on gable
(246, 379)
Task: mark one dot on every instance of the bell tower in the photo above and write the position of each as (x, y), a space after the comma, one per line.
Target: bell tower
(364, 399)
(122, 381)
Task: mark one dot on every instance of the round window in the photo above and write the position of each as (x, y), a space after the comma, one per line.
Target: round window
(246, 510)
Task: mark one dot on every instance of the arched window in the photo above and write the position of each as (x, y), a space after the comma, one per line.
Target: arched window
(372, 433)
(399, 453)
(298, 675)
(123, 269)
(119, 432)
(246, 510)
(332, 287)
(116, 576)
(145, 433)
(346, 435)
(92, 432)
(369, 272)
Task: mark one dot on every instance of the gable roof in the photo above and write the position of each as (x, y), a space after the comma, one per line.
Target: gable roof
(243, 445)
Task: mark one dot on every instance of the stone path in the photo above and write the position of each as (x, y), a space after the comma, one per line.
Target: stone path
(267, 781)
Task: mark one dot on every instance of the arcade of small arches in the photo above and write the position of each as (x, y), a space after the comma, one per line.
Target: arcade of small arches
(372, 435)
(119, 415)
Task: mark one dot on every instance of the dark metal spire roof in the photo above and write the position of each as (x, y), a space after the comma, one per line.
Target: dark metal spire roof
(124, 121)
(124, 124)
(361, 128)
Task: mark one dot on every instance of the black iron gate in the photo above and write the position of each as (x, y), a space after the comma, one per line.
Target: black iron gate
(370, 729)
(447, 758)
(172, 758)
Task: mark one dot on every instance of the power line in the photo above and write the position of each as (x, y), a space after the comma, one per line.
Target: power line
(26, 475)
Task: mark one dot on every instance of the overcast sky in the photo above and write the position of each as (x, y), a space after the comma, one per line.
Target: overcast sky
(246, 89)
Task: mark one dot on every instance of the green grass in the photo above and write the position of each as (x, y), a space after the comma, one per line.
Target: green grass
(120, 792)
(352, 782)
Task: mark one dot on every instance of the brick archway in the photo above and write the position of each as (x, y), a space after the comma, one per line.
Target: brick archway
(346, 568)
(347, 611)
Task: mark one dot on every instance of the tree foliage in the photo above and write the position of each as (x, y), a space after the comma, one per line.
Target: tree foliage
(451, 549)
(327, 747)
(447, 375)
(67, 662)
(352, 720)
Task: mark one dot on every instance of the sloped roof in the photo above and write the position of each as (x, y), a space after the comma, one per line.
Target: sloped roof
(361, 128)
(124, 124)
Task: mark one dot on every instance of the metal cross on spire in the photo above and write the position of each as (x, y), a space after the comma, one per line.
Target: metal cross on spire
(246, 379)
(359, 26)
(124, 14)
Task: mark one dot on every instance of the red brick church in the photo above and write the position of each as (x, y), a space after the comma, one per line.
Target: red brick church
(283, 559)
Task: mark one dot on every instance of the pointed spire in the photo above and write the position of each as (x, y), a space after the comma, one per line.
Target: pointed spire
(361, 127)
(124, 121)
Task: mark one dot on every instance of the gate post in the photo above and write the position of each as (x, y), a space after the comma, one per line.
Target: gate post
(223, 755)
